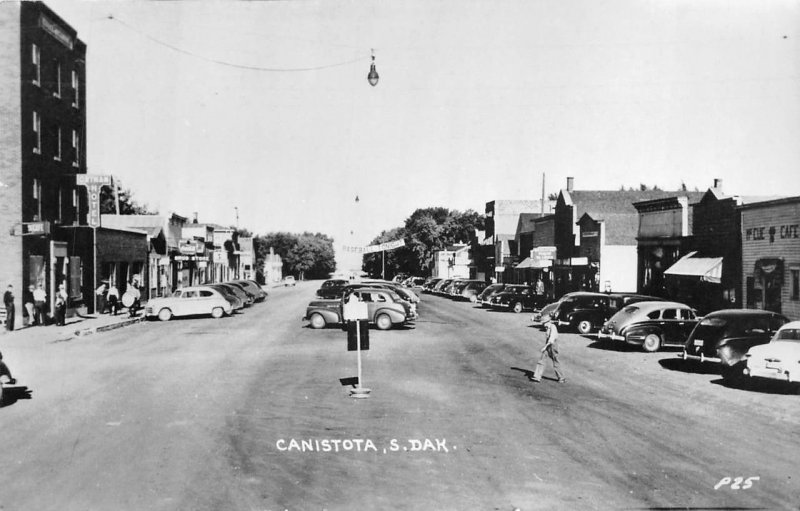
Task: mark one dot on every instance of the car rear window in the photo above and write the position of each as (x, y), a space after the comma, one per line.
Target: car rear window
(630, 310)
(788, 334)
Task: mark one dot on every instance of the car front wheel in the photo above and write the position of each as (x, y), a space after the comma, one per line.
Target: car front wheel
(585, 327)
(317, 321)
(383, 322)
(165, 314)
(517, 307)
(217, 312)
(652, 343)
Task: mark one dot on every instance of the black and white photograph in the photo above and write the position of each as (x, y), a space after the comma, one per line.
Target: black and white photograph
(513, 255)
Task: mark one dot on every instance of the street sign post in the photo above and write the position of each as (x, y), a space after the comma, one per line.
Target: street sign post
(356, 311)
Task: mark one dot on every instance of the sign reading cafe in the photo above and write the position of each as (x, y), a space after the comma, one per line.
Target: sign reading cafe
(762, 232)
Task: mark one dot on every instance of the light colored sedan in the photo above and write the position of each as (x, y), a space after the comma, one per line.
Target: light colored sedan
(189, 301)
(778, 360)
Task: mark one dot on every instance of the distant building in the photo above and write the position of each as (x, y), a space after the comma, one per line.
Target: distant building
(273, 268)
(451, 263)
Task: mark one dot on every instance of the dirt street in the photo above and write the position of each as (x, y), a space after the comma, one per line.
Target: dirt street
(250, 413)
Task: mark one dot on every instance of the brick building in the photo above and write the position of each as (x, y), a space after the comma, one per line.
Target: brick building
(42, 148)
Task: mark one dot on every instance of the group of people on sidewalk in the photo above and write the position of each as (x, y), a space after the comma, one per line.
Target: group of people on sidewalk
(34, 300)
(108, 298)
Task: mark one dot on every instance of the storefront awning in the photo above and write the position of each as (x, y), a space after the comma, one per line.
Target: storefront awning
(530, 262)
(708, 269)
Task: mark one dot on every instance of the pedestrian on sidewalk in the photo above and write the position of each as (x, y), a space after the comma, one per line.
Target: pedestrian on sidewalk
(27, 300)
(113, 299)
(101, 298)
(39, 304)
(61, 305)
(550, 350)
(8, 301)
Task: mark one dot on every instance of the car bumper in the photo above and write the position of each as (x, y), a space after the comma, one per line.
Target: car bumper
(700, 358)
(779, 374)
(612, 337)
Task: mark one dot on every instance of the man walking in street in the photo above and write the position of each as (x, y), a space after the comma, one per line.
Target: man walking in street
(8, 302)
(550, 350)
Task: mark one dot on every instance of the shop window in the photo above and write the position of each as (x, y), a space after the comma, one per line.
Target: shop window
(795, 275)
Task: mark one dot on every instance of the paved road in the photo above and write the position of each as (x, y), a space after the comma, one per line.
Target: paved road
(250, 413)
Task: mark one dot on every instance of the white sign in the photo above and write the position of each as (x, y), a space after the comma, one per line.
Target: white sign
(355, 310)
(390, 245)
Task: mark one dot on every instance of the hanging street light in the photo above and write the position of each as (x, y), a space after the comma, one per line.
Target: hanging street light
(372, 77)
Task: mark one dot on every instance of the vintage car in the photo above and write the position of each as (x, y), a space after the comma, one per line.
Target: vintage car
(517, 298)
(586, 311)
(404, 292)
(429, 284)
(253, 288)
(724, 336)
(779, 359)
(385, 308)
(485, 296)
(289, 281)
(189, 301)
(332, 289)
(468, 290)
(651, 325)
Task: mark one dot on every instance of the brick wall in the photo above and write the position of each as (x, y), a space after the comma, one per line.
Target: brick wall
(10, 152)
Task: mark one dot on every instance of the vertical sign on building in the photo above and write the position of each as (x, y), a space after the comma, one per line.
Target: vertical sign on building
(93, 184)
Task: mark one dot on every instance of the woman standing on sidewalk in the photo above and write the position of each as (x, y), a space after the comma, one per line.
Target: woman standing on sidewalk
(8, 301)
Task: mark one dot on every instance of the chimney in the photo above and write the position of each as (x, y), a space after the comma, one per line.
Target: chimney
(718, 183)
(195, 217)
(570, 183)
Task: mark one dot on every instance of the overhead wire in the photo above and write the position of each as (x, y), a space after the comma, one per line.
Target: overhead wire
(231, 64)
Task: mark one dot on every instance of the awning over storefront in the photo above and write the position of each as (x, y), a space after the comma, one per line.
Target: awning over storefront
(530, 262)
(708, 269)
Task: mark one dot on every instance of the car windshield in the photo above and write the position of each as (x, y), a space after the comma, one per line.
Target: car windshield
(788, 334)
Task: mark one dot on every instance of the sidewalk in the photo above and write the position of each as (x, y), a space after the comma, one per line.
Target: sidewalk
(76, 326)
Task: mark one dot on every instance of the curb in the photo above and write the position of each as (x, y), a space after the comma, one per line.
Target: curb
(105, 328)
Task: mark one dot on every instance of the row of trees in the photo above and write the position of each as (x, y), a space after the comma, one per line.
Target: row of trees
(306, 255)
(425, 232)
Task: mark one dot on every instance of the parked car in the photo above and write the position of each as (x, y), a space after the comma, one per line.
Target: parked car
(251, 294)
(779, 359)
(723, 337)
(447, 289)
(253, 288)
(429, 284)
(651, 325)
(485, 296)
(585, 312)
(550, 310)
(438, 288)
(236, 290)
(405, 293)
(332, 289)
(189, 301)
(236, 302)
(517, 298)
(289, 281)
(469, 290)
(385, 308)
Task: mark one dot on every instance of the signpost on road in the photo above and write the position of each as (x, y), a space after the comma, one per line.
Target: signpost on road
(356, 311)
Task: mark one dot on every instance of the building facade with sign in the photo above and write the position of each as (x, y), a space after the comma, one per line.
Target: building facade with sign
(595, 238)
(452, 263)
(770, 234)
(42, 149)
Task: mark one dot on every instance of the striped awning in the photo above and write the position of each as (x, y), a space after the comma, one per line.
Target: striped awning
(707, 269)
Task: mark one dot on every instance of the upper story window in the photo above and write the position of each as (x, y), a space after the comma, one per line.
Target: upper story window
(37, 133)
(76, 149)
(36, 58)
(56, 78)
(57, 152)
(75, 90)
(37, 198)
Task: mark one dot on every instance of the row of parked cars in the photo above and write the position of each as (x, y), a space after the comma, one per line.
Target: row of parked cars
(389, 304)
(215, 300)
(744, 342)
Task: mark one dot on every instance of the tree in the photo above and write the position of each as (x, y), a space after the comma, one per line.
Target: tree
(127, 204)
(425, 232)
(305, 255)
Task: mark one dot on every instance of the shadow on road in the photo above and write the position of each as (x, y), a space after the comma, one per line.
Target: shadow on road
(762, 387)
(529, 374)
(689, 366)
(11, 395)
(611, 346)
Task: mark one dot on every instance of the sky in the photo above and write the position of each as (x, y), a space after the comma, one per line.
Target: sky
(263, 108)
